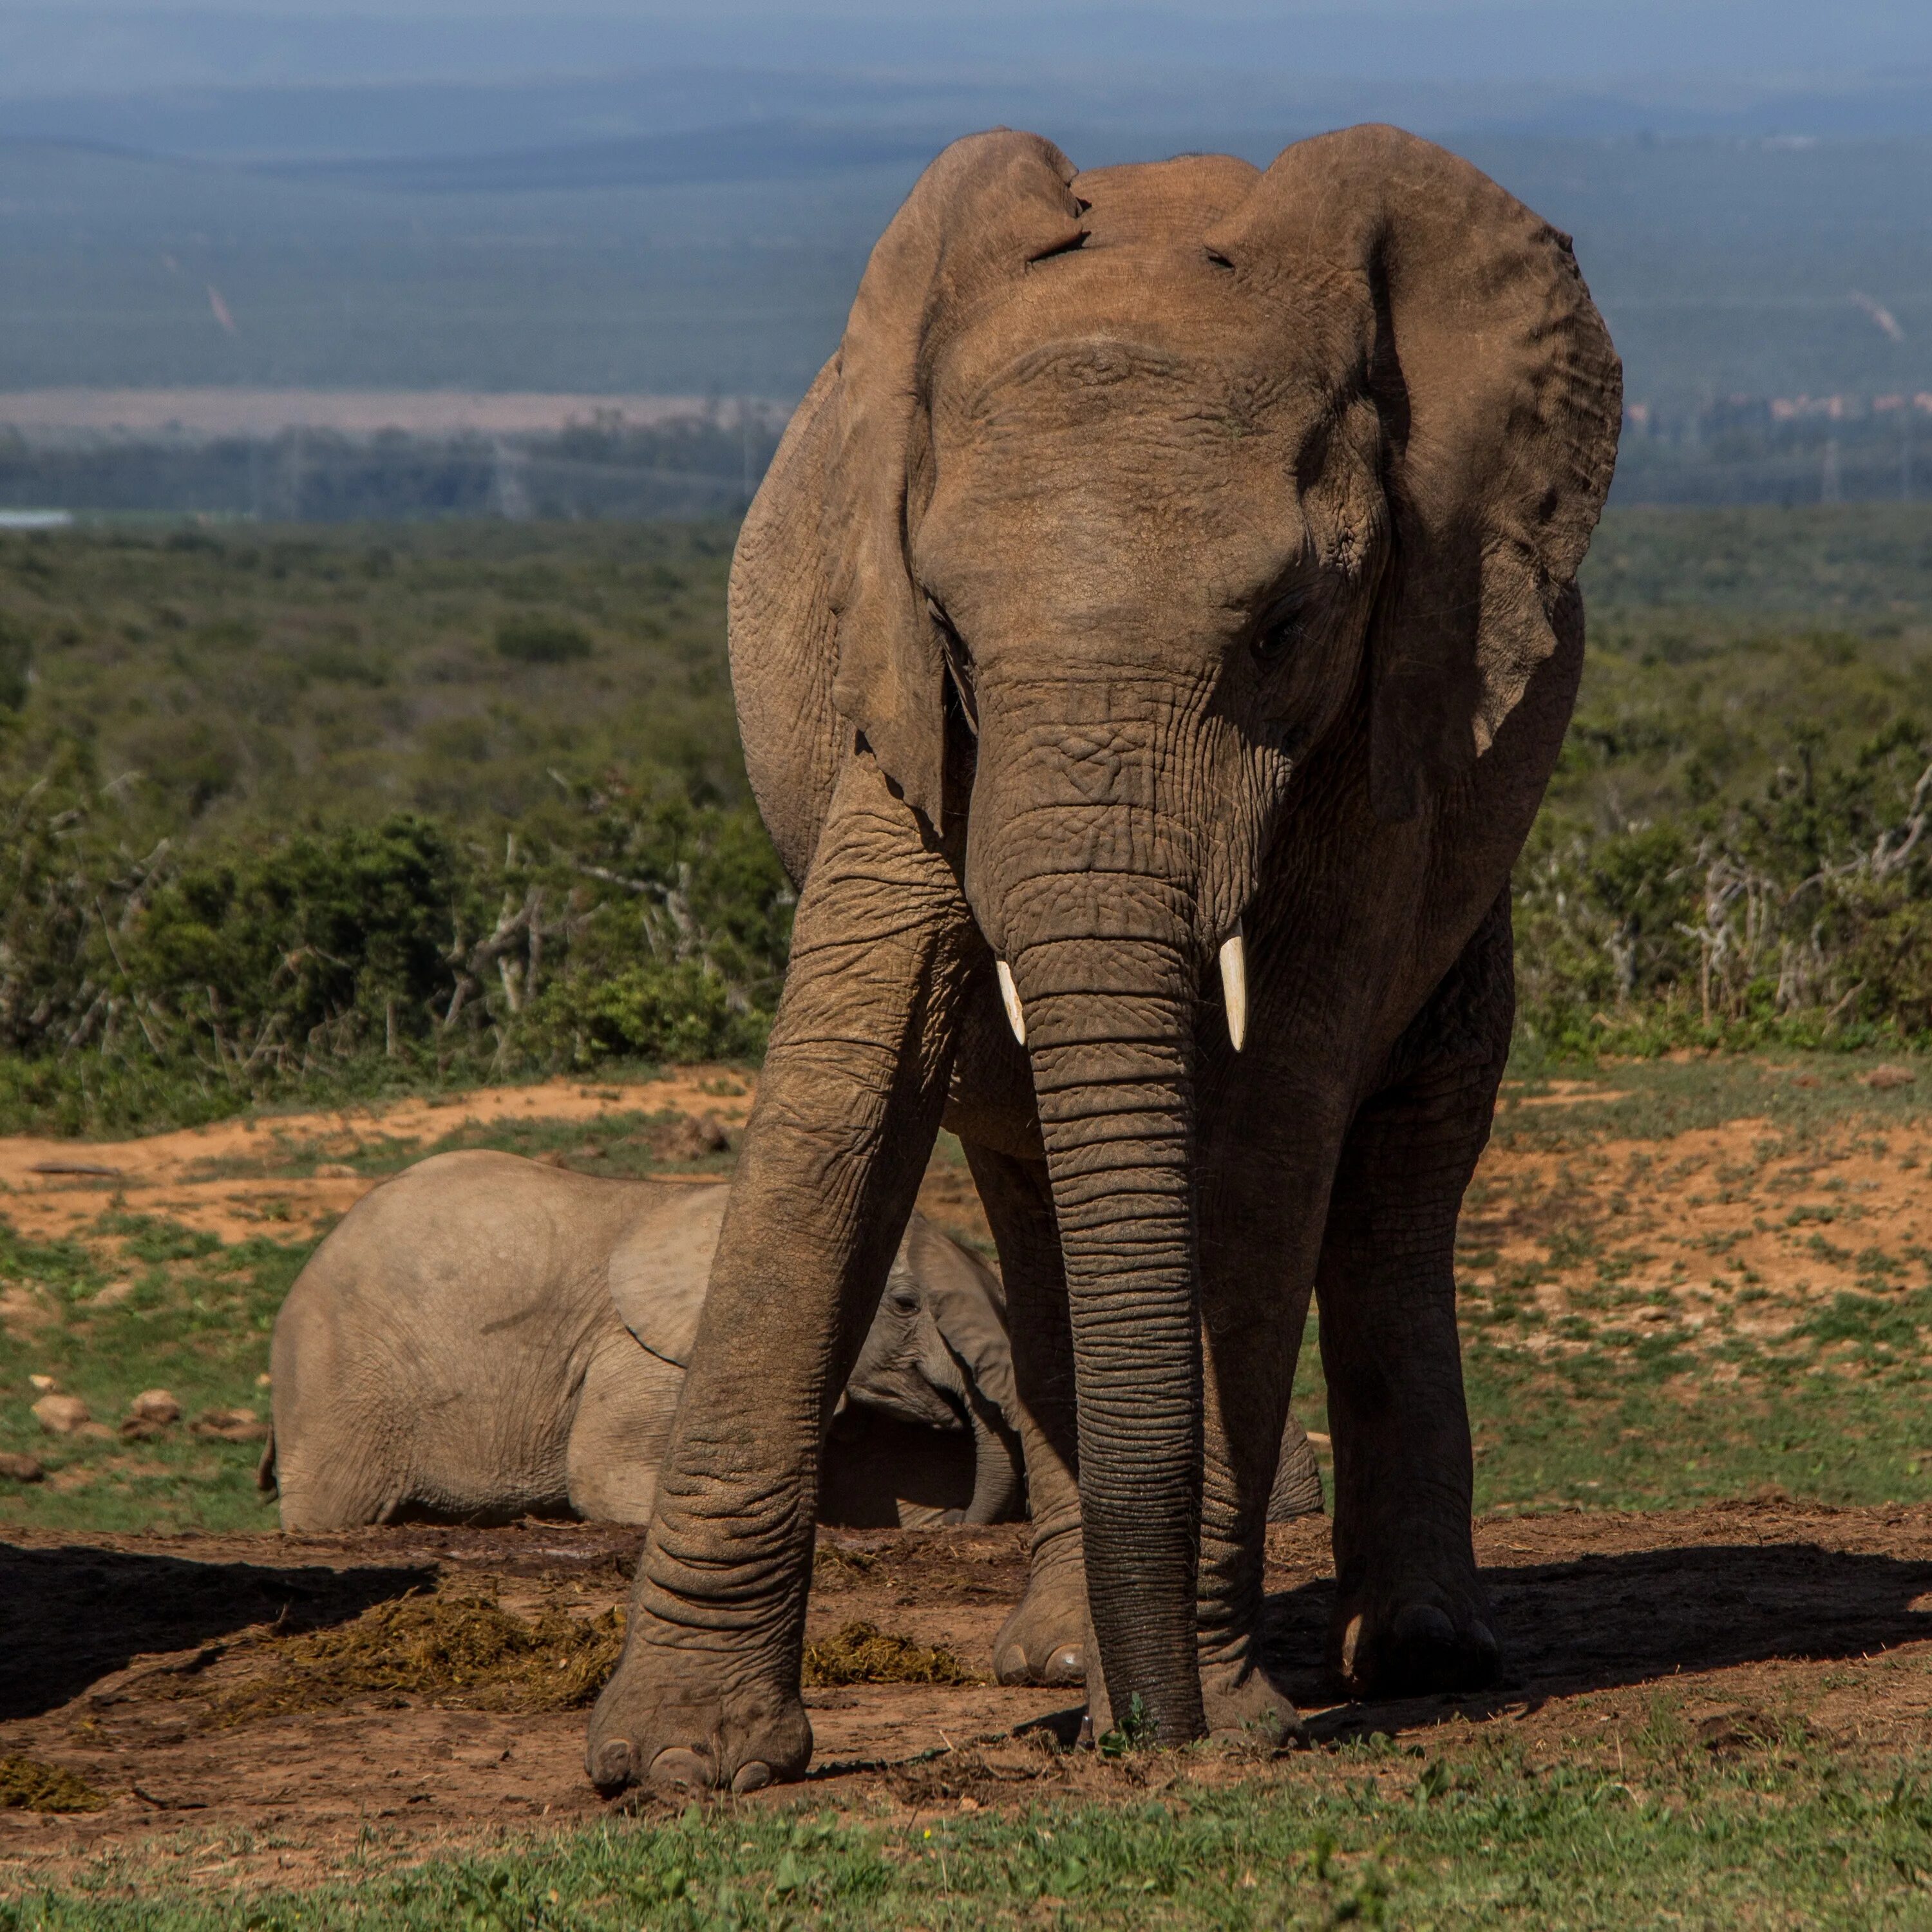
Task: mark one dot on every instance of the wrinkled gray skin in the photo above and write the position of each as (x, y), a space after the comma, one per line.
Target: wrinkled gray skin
(1170, 555)
(457, 1350)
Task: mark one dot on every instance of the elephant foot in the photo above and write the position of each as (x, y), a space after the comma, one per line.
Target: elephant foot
(1044, 1639)
(1244, 1706)
(676, 1717)
(1415, 1638)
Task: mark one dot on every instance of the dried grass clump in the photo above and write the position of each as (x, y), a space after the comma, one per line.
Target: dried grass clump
(442, 1650)
(26, 1784)
(862, 1653)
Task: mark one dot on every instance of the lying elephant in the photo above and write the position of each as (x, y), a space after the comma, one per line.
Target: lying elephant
(484, 1338)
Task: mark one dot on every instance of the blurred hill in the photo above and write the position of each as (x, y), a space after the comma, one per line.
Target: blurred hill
(673, 201)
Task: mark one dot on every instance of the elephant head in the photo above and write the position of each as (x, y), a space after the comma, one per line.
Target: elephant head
(1148, 484)
(938, 1354)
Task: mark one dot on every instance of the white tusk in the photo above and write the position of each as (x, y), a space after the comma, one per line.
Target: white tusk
(1009, 993)
(1235, 986)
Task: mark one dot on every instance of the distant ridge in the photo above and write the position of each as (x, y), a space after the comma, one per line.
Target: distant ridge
(757, 151)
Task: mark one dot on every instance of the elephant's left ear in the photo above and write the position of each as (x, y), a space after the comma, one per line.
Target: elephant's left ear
(1500, 398)
(988, 206)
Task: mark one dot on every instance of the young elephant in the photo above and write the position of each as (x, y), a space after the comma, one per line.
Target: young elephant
(484, 1338)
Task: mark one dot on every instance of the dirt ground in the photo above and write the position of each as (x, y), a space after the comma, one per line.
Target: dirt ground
(125, 1659)
(119, 1652)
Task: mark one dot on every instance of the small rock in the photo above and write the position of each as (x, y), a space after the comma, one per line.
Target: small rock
(1881, 1078)
(711, 1134)
(230, 1425)
(45, 1384)
(155, 1405)
(265, 1380)
(112, 1295)
(335, 1170)
(61, 1414)
(21, 1469)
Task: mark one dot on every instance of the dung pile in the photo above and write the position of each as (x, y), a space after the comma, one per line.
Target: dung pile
(436, 1650)
(862, 1653)
(26, 1784)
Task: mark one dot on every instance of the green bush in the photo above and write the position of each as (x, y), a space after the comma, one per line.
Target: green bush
(542, 641)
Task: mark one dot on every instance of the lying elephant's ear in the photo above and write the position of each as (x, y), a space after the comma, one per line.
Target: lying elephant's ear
(989, 205)
(660, 1269)
(1500, 398)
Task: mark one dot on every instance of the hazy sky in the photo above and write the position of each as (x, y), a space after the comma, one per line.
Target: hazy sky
(111, 46)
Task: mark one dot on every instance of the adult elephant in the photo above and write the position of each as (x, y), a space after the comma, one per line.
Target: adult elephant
(1160, 623)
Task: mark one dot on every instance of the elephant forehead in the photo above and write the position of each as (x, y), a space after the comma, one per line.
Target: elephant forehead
(1163, 202)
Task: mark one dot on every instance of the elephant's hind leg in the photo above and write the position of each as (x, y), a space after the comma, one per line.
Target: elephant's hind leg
(1044, 1641)
(1411, 1614)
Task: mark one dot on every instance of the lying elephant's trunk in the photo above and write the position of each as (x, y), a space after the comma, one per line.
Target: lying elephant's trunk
(998, 1482)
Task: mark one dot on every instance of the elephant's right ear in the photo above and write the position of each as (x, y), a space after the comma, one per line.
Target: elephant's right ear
(985, 207)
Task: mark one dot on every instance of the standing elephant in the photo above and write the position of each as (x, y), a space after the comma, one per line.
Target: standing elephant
(1151, 644)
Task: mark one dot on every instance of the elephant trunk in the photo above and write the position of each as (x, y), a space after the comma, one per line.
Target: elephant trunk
(998, 1477)
(1109, 1026)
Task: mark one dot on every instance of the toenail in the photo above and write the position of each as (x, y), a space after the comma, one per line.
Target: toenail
(1010, 1666)
(678, 1765)
(1351, 1643)
(1067, 1665)
(1424, 1623)
(613, 1765)
(1484, 1638)
(753, 1776)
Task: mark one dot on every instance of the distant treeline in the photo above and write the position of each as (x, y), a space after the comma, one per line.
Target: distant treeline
(606, 468)
(1735, 452)
(1789, 451)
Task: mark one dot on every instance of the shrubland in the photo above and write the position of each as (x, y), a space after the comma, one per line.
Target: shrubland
(286, 814)
(291, 812)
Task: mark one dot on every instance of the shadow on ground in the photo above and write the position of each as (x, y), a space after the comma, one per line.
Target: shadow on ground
(1606, 1620)
(70, 1616)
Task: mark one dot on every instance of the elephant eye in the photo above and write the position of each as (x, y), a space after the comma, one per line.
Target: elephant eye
(1275, 634)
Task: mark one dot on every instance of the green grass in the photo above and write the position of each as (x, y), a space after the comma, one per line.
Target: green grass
(186, 1313)
(1789, 1832)
(1629, 1414)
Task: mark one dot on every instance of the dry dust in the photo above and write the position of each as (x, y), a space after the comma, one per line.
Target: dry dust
(201, 1177)
(1737, 1232)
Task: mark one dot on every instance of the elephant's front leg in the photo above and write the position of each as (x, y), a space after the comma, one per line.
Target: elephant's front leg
(1411, 1613)
(706, 1692)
